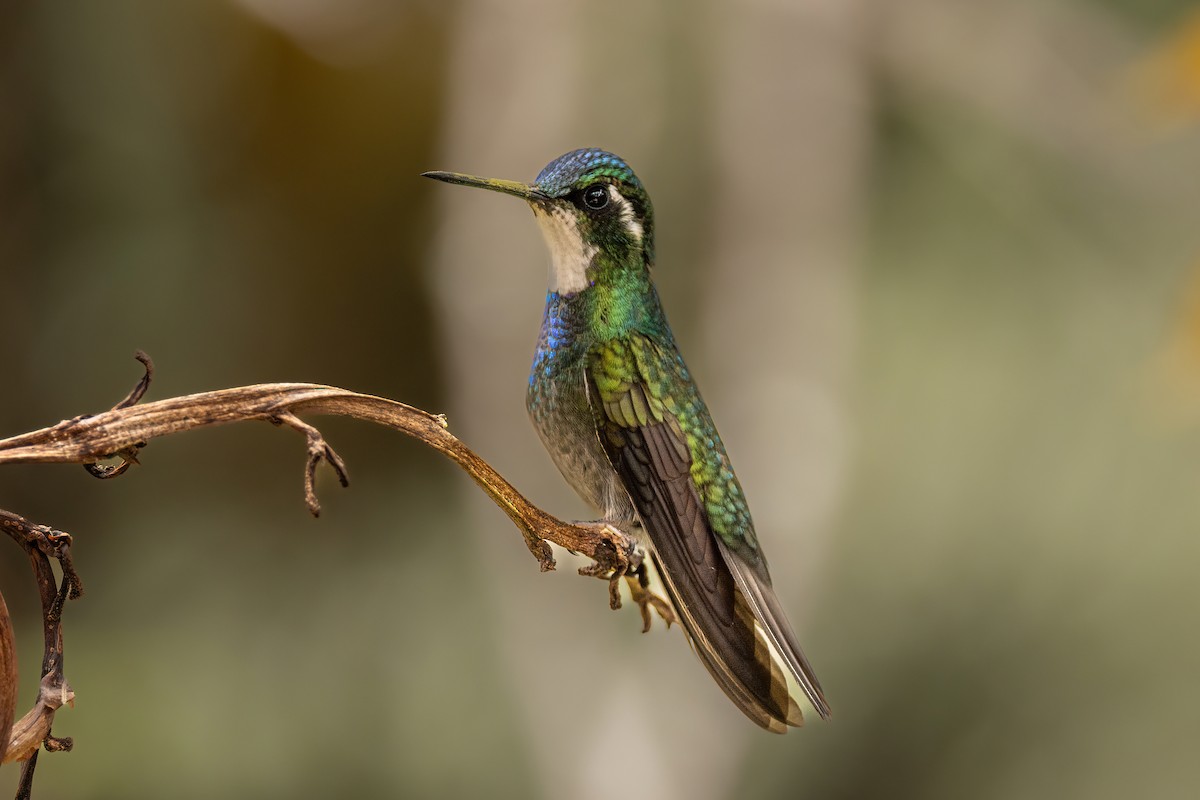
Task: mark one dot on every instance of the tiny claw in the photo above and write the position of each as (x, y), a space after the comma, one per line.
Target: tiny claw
(647, 599)
(596, 570)
(613, 577)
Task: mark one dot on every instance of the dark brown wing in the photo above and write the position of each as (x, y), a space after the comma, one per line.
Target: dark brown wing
(649, 451)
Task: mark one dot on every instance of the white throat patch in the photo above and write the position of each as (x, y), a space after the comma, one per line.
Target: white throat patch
(569, 256)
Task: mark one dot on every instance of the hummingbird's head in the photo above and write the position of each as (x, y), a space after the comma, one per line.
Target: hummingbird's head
(588, 203)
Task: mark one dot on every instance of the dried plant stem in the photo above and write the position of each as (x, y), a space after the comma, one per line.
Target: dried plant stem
(124, 430)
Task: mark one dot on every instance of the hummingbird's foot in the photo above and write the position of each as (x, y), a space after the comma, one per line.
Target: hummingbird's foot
(622, 556)
(627, 561)
(639, 590)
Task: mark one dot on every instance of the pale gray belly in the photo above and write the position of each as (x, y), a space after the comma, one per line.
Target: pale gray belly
(560, 414)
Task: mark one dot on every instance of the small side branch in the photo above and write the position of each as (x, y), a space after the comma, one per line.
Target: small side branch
(318, 451)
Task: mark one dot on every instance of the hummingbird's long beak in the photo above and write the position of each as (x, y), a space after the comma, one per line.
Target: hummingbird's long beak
(522, 190)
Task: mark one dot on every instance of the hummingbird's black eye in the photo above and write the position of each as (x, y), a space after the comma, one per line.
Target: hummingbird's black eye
(595, 196)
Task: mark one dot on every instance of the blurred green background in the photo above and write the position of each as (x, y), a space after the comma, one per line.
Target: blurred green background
(936, 265)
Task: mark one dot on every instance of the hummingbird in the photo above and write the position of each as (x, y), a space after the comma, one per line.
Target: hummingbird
(616, 407)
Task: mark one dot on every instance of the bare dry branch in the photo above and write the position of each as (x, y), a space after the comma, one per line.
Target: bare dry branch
(125, 429)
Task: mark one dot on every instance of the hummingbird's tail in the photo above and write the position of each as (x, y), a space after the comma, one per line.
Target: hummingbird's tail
(739, 650)
(760, 602)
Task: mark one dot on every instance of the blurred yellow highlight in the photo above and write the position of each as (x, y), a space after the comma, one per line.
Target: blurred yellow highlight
(1165, 85)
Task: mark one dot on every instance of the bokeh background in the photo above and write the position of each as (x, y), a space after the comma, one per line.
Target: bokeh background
(936, 265)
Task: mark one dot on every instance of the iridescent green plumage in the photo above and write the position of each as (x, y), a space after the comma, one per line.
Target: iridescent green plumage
(615, 405)
(654, 363)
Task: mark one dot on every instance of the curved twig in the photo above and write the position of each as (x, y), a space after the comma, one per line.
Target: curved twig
(94, 438)
(125, 429)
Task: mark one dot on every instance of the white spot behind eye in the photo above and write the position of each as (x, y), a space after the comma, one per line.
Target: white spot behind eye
(627, 217)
